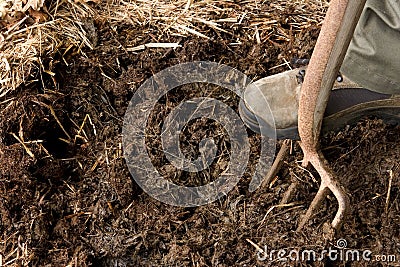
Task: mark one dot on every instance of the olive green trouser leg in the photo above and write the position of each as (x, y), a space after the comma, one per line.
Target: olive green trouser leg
(373, 58)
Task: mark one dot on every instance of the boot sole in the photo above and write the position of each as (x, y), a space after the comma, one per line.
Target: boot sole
(388, 110)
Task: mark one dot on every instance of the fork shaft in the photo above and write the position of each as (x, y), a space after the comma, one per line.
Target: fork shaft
(330, 49)
(328, 55)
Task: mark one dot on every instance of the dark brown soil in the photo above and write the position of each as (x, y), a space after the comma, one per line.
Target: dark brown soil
(75, 204)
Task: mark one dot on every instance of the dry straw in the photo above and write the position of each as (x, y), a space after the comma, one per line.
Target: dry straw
(35, 31)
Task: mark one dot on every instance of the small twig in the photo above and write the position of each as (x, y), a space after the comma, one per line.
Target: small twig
(277, 206)
(280, 65)
(152, 45)
(287, 210)
(55, 117)
(276, 166)
(388, 191)
(311, 175)
(24, 146)
(259, 249)
(290, 192)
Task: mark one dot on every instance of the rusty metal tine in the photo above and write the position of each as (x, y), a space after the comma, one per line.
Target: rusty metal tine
(328, 55)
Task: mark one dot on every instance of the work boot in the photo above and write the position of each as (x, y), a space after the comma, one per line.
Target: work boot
(348, 102)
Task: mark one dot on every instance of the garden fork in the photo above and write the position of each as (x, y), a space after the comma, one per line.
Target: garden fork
(333, 41)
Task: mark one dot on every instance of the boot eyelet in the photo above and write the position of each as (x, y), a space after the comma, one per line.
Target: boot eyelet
(300, 76)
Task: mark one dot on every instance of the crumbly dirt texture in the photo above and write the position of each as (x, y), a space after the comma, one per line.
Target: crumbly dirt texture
(68, 199)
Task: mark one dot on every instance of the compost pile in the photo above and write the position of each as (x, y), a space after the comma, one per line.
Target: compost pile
(68, 72)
